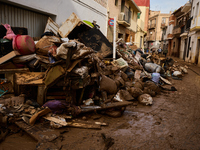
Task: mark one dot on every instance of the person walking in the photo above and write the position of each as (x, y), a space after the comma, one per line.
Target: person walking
(159, 51)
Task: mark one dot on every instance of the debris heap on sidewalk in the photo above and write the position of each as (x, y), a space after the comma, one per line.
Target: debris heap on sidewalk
(70, 71)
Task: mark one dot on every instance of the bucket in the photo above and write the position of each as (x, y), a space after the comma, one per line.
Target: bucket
(24, 44)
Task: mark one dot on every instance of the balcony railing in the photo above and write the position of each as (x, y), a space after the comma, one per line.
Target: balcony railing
(188, 23)
(151, 38)
(163, 24)
(170, 36)
(177, 29)
(127, 15)
(153, 25)
(183, 29)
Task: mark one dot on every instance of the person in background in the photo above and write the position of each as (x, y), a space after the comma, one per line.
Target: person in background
(159, 50)
(147, 51)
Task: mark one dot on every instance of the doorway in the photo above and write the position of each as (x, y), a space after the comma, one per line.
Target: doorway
(197, 53)
(185, 48)
(120, 35)
(127, 38)
(188, 47)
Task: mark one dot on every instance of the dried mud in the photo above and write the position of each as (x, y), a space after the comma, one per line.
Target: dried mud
(172, 122)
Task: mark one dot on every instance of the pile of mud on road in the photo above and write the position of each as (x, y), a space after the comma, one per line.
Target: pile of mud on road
(70, 71)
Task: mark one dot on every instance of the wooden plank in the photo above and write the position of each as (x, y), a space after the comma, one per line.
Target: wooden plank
(9, 56)
(165, 80)
(38, 132)
(91, 122)
(23, 59)
(56, 120)
(14, 70)
(85, 125)
(85, 109)
(29, 78)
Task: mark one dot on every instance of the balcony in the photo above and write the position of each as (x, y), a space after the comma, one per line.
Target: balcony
(152, 26)
(177, 30)
(170, 36)
(151, 38)
(125, 17)
(163, 25)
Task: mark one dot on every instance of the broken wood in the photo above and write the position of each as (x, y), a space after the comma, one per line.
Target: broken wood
(83, 125)
(2, 71)
(56, 120)
(38, 132)
(29, 78)
(39, 114)
(77, 124)
(23, 59)
(91, 122)
(165, 80)
(85, 109)
(8, 56)
(13, 100)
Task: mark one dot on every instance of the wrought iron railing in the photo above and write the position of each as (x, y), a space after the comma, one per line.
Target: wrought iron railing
(188, 23)
(127, 15)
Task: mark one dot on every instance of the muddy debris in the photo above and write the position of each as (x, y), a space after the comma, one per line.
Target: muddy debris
(51, 83)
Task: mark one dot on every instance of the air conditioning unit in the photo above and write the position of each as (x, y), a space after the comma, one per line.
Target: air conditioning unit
(121, 16)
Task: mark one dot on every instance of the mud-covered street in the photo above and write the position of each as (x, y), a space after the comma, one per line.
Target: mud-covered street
(172, 122)
(99, 75)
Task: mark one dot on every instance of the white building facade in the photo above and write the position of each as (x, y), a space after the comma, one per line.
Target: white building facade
(33, 14)
(193, 53)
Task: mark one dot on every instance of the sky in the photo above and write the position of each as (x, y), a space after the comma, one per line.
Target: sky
(167, 5)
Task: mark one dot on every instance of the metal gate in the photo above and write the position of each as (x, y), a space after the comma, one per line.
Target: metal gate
(19, 17)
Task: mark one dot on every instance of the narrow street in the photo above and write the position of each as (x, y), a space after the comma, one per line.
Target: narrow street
(172, 122)
(99, 75)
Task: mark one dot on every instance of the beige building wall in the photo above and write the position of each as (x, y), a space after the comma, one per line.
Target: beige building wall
(114, 11)
(156, 33)
(194, 53)
(141, 25)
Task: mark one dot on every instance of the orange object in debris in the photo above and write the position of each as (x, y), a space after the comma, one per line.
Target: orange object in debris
(24, 44)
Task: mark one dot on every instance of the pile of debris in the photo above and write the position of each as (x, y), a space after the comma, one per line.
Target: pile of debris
(70, 71)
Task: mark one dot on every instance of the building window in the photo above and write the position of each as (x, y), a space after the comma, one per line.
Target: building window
(155, 20)
(163, 20)
(197, 10)
(150, 22)
(116, 2)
